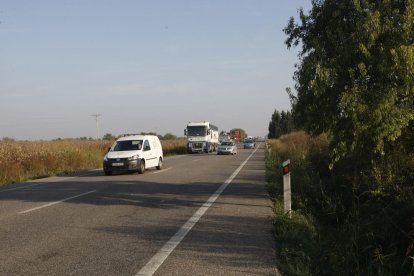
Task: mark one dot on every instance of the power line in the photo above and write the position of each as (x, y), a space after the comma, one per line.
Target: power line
(97, 124)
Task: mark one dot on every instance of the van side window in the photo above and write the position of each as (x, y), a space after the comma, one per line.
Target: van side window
(146, 145)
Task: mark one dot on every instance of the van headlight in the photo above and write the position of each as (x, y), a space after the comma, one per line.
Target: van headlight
(133, 157)
(105, 158)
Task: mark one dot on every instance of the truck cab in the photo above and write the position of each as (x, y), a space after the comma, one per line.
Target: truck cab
(201, 137)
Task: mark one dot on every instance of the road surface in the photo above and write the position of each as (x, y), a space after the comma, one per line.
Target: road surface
(202, 214)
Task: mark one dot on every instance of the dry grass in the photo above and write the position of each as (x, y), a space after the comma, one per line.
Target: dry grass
(176, 146)
(24, 160)
(298, 145)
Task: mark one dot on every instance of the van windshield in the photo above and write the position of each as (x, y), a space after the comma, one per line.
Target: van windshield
(127, 145)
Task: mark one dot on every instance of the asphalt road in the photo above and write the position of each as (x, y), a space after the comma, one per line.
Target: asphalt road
(200, 215)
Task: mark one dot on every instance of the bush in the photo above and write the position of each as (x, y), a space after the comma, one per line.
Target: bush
(354, 222)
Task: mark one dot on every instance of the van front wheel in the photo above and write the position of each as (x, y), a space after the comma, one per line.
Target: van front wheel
(141, 168)
(159, 167)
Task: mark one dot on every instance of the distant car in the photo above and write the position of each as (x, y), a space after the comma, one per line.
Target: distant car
(227, 147)
(249, 144)
(260, 139)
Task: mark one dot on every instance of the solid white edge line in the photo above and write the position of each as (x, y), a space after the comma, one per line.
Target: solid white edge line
(158, 259)
(56, 202)
(163, 170)
(41, 183)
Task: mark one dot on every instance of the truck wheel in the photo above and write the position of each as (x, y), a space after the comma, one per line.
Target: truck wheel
(141, 168)
(159, 167)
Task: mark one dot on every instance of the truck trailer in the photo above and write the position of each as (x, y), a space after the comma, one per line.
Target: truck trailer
(201, 137)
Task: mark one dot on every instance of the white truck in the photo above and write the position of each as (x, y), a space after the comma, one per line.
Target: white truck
(201, 137)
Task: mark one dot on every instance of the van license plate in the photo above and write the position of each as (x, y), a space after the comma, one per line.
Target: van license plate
(117, 164)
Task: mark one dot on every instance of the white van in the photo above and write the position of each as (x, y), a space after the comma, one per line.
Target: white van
(134, 153)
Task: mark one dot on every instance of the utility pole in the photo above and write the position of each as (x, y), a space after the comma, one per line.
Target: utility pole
(97, 124)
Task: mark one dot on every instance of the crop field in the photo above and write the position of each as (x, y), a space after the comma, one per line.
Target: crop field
(25, 160)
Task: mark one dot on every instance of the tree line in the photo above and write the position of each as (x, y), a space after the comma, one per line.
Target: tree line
(280, 123)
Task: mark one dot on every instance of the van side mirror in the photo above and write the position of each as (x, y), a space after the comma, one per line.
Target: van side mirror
(108, 149)
(147, 148)
(185, 132)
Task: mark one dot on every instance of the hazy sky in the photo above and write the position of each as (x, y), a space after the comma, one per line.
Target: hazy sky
(150, 65)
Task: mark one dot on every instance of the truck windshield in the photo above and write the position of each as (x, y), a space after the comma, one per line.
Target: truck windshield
(196, 131)
(127, 145)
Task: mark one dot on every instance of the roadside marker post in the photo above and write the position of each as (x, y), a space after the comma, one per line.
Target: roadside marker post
(286, 188)
(269, 148)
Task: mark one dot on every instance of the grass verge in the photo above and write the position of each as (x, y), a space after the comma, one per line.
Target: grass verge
(337, 227)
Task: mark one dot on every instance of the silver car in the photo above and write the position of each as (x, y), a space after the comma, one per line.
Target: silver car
(227, 147)
(249, 144)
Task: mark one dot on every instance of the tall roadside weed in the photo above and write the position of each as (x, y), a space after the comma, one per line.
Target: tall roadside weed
(341, 226)
(23, 160)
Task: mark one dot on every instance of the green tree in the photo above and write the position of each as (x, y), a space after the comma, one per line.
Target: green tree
(274, 126)
(355, 78)
(169, 136)
(242, 133)
(286, 122)
(281, 123)
(355, 81)
(108, 136)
